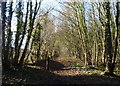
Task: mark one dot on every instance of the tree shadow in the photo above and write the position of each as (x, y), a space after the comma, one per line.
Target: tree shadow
(53, 65)
(26, 76)
(34, 76)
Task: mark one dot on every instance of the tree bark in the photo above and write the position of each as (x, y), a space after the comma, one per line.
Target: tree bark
(9, 38)
(108, 42)
(24, 27)
(31, 24)
(4, 59)
(17, 38)
(47, 61)
(116, 39)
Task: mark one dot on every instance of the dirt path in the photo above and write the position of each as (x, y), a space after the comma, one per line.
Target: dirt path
(64, 62)
(65, 71)
(65, 75)
(68, 71)
(76, 76)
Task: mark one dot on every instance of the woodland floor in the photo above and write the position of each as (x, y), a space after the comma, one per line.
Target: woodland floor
(62, 71)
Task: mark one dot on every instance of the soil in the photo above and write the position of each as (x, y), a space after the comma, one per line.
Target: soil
(59, 73)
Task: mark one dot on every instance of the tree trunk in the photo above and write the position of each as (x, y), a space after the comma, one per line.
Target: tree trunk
(9, 38)
(103, 54)
(24, 27)
(96, 54)
(116, 39)
(4, 58)
(17, 38)
(108, 42)
(47, 61)
(85, 55)
(0, 39)
(31, 24)
(93, 57)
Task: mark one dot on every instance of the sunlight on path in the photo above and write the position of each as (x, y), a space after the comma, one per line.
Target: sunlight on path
(71, 69)
(67, 72)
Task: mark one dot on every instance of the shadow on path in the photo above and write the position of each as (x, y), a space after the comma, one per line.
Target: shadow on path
(35, 76)
(53, 65)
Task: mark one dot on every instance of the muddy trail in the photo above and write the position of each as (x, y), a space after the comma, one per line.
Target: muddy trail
(60, 73)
